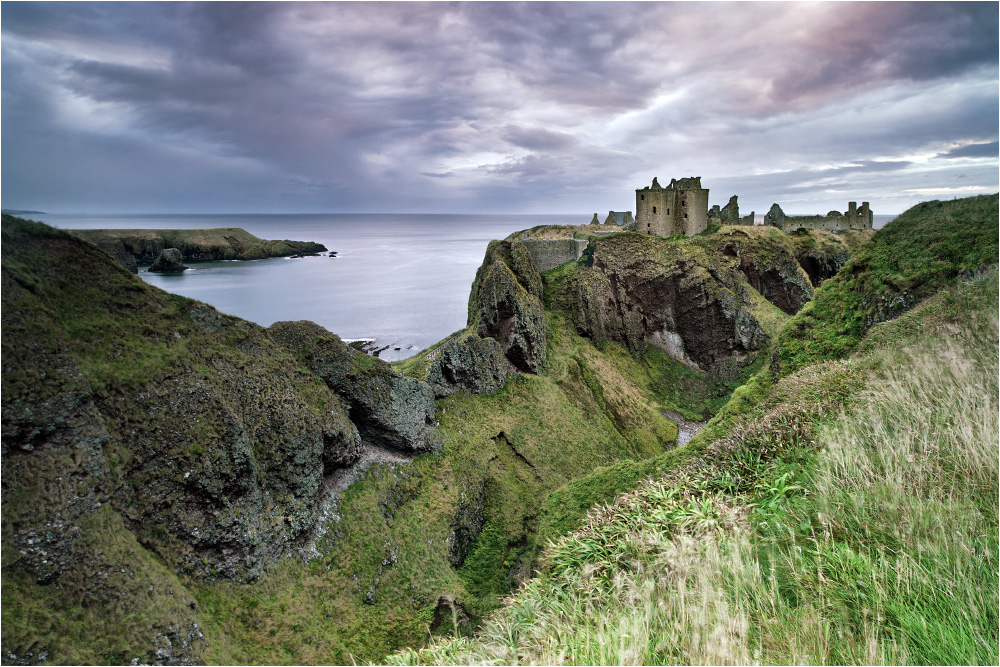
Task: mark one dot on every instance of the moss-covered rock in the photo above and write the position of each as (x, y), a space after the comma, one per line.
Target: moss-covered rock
(505, 304)
(822, 254)
(390, 410)
(204, 439)
(641, 291)
(469, 362)
(168, 261)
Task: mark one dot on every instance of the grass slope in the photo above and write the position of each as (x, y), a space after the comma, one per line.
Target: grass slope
(844, 512)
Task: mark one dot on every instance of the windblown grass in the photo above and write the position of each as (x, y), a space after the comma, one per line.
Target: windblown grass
(874, 543)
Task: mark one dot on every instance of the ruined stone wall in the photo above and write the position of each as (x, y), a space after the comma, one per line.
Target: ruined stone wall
(834, 221)
(550, 253)
(619, 218)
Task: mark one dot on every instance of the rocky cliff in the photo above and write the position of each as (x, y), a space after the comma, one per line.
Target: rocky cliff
(708, 301)
(146, 435)
(506, 304)
(143, 246)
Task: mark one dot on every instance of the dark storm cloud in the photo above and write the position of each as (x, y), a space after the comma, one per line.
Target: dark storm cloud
(487, 106)
(988, 149)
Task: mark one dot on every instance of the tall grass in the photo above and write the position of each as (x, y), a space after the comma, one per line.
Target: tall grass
(883, 549)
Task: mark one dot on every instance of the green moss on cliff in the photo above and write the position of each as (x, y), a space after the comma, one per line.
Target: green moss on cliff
(906, 261)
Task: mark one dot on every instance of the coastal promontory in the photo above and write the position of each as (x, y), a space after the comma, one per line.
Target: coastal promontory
(131, 247)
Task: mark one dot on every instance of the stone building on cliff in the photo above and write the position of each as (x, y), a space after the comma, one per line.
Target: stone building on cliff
(729, 214)
(680, 208)
(834, 221)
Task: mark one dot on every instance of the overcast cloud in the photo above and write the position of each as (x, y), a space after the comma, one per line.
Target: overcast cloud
(494, 107)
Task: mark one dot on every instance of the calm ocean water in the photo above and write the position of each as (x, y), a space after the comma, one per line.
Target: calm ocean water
(402, 280)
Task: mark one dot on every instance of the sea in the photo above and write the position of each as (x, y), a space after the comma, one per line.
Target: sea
(401, 282)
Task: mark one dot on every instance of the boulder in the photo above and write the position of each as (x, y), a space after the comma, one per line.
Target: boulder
(168, 261)
(474, 364)
(389, 410)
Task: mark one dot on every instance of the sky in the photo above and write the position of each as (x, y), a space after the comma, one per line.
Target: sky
(493, 107)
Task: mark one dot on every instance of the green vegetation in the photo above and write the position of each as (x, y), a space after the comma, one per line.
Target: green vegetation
(845, 513)
(384, 556)
(907, 261)
(220, 243)
(840, 506)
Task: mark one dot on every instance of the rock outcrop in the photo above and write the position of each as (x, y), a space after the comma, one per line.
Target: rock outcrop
(770, 268)
(390, 410)
(506, 305)
(131, 412)
(644, 291)
(820, 254)
(474, 364)
(168, 261)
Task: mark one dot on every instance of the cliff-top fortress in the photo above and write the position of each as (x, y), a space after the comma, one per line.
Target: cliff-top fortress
(681, 208)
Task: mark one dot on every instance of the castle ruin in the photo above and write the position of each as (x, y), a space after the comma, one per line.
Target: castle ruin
(730, 214)
(834, 221)
(678, 209)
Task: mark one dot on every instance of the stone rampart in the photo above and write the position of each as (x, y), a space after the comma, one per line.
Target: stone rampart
(550, 253)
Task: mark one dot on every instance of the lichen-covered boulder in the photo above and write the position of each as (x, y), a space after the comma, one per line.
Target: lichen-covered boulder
(474, 364)
(506, 305)
(389, 410)
(168, 261)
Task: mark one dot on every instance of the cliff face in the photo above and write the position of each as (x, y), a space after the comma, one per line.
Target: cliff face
(143, 246)
(690, 298)
(506, 304)
(158, 456)
(193, 425)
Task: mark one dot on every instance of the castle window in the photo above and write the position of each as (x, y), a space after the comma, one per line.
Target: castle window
(642, 197)
(685, 216)
(668, 211)
(654, 209)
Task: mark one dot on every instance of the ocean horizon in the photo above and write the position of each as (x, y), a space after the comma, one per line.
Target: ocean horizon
(399, 280)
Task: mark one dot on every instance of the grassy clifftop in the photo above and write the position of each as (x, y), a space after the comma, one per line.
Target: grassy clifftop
(196, 245)
(158, 455)
(841, 511)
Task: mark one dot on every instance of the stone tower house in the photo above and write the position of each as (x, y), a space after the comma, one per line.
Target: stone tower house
(680, 208)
